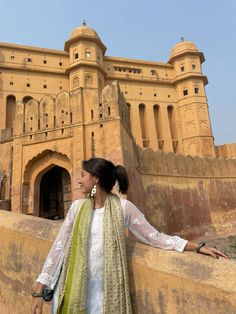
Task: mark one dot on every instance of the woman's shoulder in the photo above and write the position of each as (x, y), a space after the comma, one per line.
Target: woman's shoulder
(76, 204)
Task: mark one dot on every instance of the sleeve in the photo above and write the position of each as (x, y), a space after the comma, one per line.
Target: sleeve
(52, 266)
(145, 232)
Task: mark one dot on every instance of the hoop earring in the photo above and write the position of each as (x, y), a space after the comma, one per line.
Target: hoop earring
(93, 191)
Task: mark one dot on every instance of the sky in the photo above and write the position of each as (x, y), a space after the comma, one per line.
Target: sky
(141, 30)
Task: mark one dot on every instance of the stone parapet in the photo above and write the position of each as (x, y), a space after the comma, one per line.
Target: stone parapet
(161, 281)
(226, 150)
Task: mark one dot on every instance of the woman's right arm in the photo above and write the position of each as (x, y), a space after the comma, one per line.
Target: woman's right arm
(52, 266)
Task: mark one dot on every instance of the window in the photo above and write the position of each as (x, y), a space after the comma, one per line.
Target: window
(196, 90)
(155, 95)
(75, 82)
(10, 110)
(11, 83)
(45, 86)
(153, 72)
(60, 87)
(185, 92)
(127, 69)
(45, 61)
(156, 114)
(142, 120)
(182, 68)
(28, 85)
(60, 63)
(28, 59)
(76, 55)
(12, 57)
(87, 53)
(193, 66)
(88, 81)
(26, 99)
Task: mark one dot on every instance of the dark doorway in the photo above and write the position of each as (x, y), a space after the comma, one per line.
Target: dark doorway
(55, 193)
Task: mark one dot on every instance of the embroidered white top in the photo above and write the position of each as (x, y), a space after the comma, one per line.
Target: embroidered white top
(133, 219)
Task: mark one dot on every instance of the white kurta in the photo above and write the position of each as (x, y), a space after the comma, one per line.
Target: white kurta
(137, 224)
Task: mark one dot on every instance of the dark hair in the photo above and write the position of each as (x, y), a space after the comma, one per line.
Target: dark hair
(107, 173)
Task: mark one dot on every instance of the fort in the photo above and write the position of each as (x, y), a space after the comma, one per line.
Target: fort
(58, 108)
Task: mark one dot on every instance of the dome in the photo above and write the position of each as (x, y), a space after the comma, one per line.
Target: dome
(183, 46)
(84, 30)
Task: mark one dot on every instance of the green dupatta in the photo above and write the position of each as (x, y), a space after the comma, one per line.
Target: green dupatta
(73, 279)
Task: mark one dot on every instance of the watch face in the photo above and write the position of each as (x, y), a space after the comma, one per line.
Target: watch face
(47, 294)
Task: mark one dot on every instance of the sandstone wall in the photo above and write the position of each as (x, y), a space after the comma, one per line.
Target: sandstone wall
(161, 281)
(191, 196)
(226, 150)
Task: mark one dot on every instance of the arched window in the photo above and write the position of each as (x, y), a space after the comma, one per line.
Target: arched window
(129, 113)
(143, 125)
(172, 125)
(196, 89)
(193, 66)
(75, 82)
(2, 186)
(87, 53)
(156, 113)
(76, 55)
(26, 99)
(10, 110)
(88, 81)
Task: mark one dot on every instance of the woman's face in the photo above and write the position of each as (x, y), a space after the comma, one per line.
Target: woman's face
(87, 181)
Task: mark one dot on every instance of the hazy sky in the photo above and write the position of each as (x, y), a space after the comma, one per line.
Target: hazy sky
(144, 30)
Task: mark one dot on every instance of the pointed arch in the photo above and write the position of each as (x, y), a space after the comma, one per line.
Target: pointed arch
(10, 110)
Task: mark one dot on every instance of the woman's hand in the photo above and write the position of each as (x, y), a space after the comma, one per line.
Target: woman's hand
(212, 251)
(37, 302)
(37, 305)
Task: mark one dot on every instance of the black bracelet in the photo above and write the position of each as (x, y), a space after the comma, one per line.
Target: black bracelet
(199, 247)
(46, 294)
(37, 294)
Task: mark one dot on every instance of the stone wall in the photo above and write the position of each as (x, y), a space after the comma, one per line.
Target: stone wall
(226, 150)
(161, 281)
(191, 196)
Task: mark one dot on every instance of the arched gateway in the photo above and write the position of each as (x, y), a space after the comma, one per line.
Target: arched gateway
(55, 193)
(47, 185)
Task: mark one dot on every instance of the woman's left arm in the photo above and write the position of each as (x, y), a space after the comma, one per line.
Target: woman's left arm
(145, 232)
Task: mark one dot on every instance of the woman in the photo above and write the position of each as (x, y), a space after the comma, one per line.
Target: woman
(87, 263)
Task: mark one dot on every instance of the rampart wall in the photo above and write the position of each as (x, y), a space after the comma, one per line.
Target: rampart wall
(161, 281)
(192, 196)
